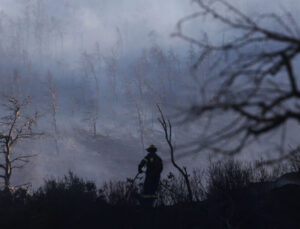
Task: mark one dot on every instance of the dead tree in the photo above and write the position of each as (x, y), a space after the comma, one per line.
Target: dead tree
(92, 115)
(167, 128)
(54, 109)
(15, 127)
(252, 74)
(89, 68)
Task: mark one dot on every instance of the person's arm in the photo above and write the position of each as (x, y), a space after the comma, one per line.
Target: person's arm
(143, 163)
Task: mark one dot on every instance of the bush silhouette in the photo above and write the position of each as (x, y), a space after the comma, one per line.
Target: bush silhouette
(226, 177)
(66, 201)
(72, 202)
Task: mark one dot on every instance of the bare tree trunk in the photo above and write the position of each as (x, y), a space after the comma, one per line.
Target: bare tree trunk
(53, 110)
(89, 69)
(141, 124)
(167, 127)
(95, 127)
(8, 170)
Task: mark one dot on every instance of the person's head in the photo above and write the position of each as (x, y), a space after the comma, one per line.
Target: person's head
(151, 149)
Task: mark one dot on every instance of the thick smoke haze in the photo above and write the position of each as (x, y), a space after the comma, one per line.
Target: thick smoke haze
(108, 63)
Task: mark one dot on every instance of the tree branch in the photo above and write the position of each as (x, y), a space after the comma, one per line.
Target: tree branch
(168, 136)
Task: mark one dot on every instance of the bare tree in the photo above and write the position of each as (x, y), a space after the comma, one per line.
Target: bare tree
(92, 115)
(167, 127)
(54, 109)
(89, 69)
(15, 127)
(252, 75)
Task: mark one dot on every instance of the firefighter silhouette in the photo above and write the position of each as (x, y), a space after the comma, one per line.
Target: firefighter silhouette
(154, 166)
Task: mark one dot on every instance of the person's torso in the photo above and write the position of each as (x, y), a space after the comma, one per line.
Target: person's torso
(154, 164)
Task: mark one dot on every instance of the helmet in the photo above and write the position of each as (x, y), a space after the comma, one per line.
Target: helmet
(151, 148)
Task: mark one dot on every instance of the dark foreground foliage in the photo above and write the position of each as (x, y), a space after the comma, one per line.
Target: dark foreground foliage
(234, 195)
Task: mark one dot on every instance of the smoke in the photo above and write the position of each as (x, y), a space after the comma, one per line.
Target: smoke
(111, 62)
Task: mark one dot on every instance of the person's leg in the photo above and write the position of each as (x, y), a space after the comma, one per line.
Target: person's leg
(154, 187)
(150, 188)
(155, 184)
(148, 192)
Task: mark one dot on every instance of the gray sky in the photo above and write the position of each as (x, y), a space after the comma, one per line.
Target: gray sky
(37, 36)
